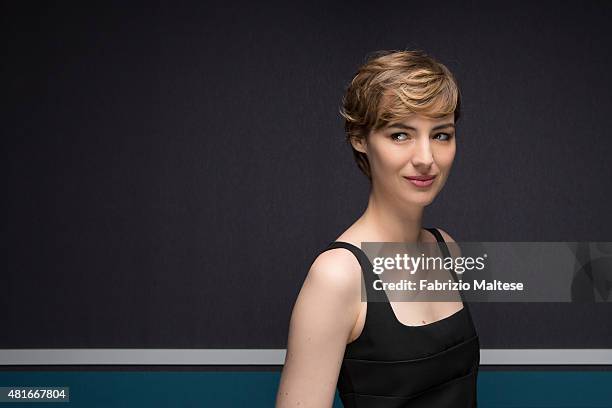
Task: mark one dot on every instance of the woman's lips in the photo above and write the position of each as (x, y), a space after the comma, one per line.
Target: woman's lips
(421, 181)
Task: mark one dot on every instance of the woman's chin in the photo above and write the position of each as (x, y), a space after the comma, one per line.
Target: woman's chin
(423, 202)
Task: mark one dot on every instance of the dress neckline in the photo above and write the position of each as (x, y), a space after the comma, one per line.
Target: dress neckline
(434, 323)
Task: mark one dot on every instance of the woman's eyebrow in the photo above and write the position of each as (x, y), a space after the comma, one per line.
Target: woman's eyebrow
(402, 126)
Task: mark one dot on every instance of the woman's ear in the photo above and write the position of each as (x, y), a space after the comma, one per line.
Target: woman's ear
(359, 144)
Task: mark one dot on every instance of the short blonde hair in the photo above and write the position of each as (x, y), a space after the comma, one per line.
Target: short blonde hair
(391, 85)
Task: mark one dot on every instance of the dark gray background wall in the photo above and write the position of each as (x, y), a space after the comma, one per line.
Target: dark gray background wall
(173, 170)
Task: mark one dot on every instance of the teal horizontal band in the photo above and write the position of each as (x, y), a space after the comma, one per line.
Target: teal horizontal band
(255, 389)
(117, 356)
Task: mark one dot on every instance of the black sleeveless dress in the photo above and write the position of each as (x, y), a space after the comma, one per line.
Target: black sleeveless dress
(391, 365)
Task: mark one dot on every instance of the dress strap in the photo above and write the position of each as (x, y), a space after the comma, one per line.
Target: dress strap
(440, 239)
(443, 248)
(446, 253)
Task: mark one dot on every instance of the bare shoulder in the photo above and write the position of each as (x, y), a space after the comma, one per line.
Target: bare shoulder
(336, 268)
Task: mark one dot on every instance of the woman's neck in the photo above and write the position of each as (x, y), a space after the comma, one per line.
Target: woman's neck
(384, 222)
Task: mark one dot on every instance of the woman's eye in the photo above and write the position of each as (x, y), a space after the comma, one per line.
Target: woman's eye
(398, 136)
(446, 136)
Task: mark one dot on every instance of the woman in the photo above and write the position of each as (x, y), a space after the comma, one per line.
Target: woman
(400, 111)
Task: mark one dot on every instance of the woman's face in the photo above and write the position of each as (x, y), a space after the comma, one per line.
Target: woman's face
(414, 147)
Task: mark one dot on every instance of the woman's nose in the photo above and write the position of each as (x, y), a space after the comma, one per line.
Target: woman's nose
(422, 154)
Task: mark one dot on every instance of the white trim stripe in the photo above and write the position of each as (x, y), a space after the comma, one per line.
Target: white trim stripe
(269, 356)
(546, 356)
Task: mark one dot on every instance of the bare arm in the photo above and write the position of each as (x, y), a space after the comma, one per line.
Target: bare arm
(322, 319)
